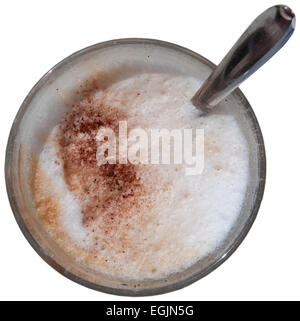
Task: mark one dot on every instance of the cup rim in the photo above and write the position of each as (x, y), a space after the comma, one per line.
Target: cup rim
(110, 290)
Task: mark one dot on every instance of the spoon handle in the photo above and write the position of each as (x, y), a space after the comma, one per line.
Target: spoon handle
(263, 38)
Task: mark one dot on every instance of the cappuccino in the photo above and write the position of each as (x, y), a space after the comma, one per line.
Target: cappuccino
(140, 220)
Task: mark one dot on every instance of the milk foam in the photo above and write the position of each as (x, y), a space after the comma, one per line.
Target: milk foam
(180, 219)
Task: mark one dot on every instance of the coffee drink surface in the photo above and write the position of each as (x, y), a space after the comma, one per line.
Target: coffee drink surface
(139, 221)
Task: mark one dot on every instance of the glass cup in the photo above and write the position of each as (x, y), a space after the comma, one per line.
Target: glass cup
(45, 105)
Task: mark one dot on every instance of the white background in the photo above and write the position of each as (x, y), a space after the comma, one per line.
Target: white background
(35, 35)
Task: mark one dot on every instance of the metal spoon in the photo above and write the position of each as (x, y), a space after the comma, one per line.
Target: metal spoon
(263, 38)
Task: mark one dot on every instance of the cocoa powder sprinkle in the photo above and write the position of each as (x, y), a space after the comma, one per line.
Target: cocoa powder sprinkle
(109, 190)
